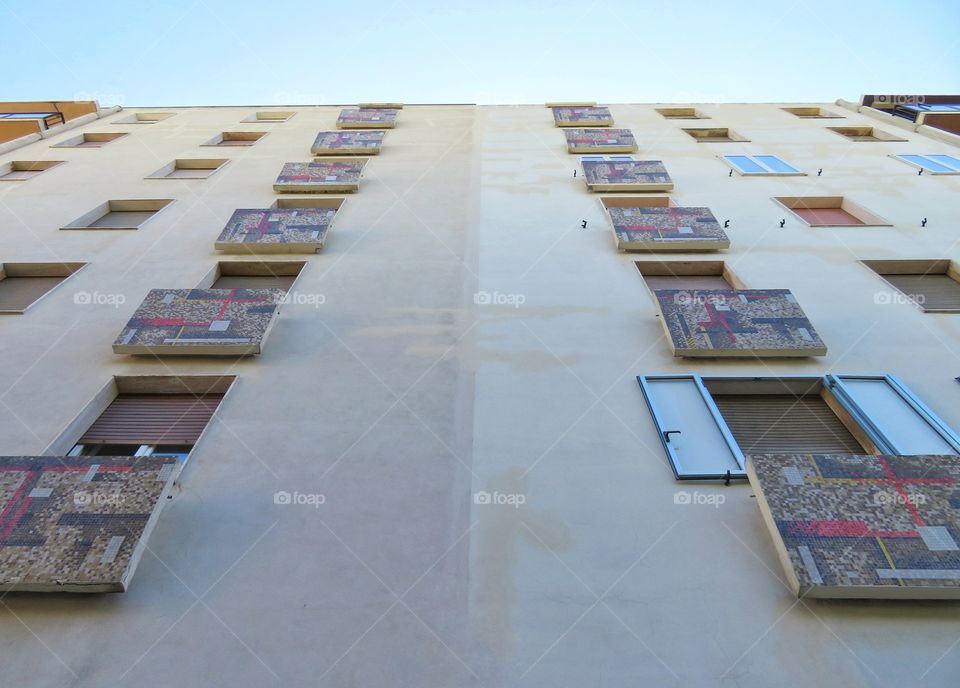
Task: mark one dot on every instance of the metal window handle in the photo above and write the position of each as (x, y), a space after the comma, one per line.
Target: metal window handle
(667, 433)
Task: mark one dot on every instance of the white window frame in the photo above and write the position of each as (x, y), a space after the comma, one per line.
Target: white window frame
(835, 384)
(871, 427)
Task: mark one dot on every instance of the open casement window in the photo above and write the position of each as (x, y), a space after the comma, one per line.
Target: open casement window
(708, 425)
(694, 436)
(149, 425)
(896, 420)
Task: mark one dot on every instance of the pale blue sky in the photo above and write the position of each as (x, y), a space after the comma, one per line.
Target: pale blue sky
(214, 52)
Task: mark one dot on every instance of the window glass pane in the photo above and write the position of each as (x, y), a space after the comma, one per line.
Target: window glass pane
(745, 164)
(926, 163)
(899, 422)
(947, 160)
(775, 163)
(180, 451)
(700, 448)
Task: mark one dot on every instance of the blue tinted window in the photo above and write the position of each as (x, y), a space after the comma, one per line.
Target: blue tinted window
(927, 163)
(745, 164)
(947, 160)
(775, 163)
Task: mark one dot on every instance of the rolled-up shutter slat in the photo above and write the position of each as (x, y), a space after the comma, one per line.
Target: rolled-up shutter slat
(774, 423)
(153, 419)
(931, 291)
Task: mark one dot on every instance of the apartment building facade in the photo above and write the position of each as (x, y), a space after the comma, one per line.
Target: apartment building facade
(499, 433)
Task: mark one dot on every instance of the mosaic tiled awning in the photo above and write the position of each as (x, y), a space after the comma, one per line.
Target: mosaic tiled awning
(276, 230)
(200, 322)
(641, 228)
(736, 322)
(580, 116)
(863, 526)
(347, 143)
(367, 118)
(626, 175)
(77, 524)
(600, 141)
(323, 176)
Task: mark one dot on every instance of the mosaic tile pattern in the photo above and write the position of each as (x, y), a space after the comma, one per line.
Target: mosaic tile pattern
(576, 116)
(737, 322)
(600, 141)
(641, 228)
(626, 175)
(347, 142)
(320, 176)
(77, 524)
(283, 229)
(863, 526)
(367, 118)
(200, 322)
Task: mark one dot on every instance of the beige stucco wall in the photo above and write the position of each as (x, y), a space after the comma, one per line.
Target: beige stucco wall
(540, 399)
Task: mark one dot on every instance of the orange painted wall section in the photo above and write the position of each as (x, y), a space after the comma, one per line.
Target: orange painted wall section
(827, 216)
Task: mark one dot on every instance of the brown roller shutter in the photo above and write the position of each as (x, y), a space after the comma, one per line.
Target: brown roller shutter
(153, 419)
(932, 292)
(771, 423)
